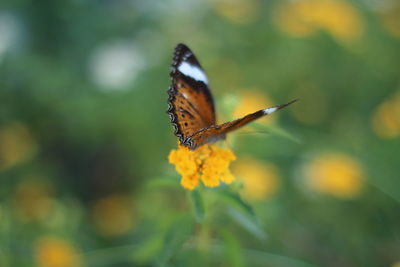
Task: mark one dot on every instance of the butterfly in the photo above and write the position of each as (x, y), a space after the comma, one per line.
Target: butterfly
(191, 104)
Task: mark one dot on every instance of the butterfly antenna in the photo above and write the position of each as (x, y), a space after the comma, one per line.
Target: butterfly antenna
(275, 108)
(287, 104)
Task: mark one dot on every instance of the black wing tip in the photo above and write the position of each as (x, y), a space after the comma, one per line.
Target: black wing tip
(180, 49)
(181, 46)
(287, 104)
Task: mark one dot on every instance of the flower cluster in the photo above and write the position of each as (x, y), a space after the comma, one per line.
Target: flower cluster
(208, 163)
(302, 18)
(55, 252)
(112, 215)
(17, 144)
(385, 120)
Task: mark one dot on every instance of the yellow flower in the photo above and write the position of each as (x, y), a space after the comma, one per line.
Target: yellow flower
(238, 11)
(335, 174)
(32, 201)
(112, 215)
(190, 181)
(386, 118)
(391, 19)
(16, 144)
(304, 17)
(260, 179)
(293, 19)
(208, 163)
(54, 252)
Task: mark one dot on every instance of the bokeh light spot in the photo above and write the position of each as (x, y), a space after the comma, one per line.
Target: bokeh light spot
(335, 174)
(114, 66)
(260, 179)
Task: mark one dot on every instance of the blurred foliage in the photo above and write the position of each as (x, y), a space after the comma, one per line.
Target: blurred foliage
(84, 137)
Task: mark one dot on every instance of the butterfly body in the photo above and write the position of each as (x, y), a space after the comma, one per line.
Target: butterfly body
(191, 105)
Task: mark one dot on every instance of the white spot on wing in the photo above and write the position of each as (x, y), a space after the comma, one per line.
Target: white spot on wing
(185, 95)
(269, 110)
(193, 72)
(187, 55)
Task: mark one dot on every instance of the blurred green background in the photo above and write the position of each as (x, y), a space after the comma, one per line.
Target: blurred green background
(84, 137)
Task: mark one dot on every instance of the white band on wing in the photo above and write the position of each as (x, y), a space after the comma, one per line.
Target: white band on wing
(193, 72)
(269, 110)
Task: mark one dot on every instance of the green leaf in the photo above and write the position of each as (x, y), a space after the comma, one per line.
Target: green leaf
(177, 235)
(232, 249)
(248, 223)
(198, 205)
(243, 214)
(263, 258)
(235, 200)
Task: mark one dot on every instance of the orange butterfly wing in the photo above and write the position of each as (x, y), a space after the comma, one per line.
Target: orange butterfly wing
(191, 106)
(218, 132)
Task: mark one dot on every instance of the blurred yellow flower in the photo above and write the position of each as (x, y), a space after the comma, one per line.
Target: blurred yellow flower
(251, 101)
(293, 19)
(238, 11)
(391, 19)
(32, 201)
(395, 264)
(16, 144)
(55, 252)
(336, 174)
(113, 215)
(208, 163)
(260, 179)
(386, 118)
(303, 17)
